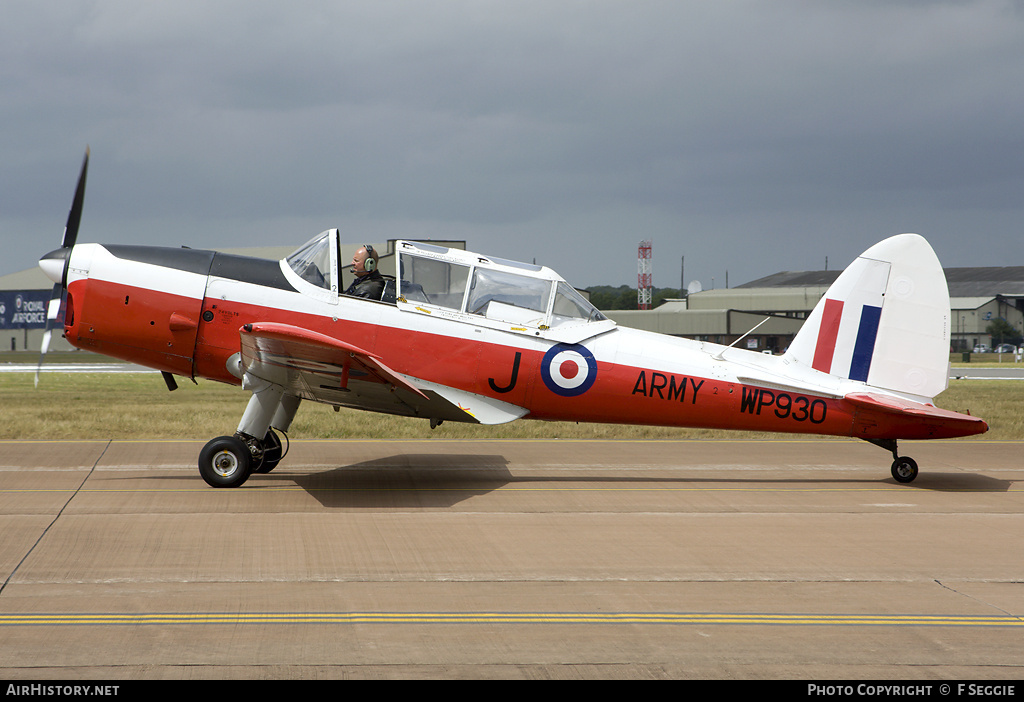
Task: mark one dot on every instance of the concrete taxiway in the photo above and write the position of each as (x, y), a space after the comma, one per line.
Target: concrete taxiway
(487, 559)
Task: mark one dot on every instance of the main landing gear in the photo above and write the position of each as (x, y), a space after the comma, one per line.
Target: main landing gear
(904, 468)
(228, 461)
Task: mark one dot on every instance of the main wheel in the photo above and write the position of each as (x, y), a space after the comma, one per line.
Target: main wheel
(272, 453)
(225, 462)
(904, 469)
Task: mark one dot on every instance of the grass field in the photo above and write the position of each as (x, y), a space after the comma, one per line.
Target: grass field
(69, 406)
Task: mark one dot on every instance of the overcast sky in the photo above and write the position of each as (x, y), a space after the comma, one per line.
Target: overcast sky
(748, 136)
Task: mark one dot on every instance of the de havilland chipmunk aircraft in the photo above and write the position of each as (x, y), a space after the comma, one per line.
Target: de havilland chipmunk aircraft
(457, 336)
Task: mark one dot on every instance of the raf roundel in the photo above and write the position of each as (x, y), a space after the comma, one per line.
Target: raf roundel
(568, 369)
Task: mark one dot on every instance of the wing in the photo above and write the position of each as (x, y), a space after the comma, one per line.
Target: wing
(318, 367)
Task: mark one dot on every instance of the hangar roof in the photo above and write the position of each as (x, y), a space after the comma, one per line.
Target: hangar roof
(977, 282)
(794, 279)
(962, 282)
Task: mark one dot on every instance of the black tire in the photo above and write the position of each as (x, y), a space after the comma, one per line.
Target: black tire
(904, 469)
(272, 453)
(225, 462)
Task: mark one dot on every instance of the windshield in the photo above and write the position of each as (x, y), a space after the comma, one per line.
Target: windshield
(570, 306)
(312, 261)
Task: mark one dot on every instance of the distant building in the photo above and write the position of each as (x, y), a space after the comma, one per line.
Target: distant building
(24, 298)
(977, 297)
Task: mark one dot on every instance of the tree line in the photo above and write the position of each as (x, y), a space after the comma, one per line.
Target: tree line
(623, 297)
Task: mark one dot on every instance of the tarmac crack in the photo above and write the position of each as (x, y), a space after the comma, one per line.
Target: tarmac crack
(55, 518)
(975, 599)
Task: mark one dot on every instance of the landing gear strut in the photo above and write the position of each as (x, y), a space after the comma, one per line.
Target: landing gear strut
(904, 468)
(273, 452)
(228, 461)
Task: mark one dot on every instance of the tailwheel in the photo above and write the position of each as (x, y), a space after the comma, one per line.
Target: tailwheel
(225, 462)
(273, 452)
(904, 469)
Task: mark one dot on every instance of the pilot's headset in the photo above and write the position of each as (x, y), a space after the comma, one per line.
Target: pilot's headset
(370, 264)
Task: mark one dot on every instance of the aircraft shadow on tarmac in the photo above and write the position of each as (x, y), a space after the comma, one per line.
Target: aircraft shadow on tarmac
(437, 480)
(959, 482)
(405, 480)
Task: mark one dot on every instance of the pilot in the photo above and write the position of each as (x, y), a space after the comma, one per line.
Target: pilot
(369, 283)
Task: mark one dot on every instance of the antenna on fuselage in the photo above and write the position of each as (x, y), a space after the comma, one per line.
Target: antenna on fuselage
(720, 355)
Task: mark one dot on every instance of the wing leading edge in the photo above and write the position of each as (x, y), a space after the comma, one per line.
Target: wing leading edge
(320, 368)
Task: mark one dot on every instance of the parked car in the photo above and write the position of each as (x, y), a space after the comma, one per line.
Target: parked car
(1006, 348)
(982, 348)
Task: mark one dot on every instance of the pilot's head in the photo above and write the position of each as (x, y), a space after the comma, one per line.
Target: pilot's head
(364, 261)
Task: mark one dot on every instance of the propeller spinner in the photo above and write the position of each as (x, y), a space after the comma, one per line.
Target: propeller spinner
(55, 263)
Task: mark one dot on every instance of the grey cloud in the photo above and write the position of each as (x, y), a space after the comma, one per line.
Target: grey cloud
(747, 136)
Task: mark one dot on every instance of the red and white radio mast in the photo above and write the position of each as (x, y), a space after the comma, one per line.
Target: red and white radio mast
(643, 277)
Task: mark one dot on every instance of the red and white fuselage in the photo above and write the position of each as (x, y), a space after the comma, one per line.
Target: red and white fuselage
(461, 330)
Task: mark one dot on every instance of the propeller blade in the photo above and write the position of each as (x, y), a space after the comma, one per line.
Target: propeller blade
(68, 242)
(75, 215)
(52, 313)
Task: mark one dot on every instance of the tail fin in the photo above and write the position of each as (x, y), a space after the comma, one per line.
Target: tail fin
(885, 321)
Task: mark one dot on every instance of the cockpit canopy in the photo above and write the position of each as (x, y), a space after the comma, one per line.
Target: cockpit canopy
(464, 286)
(481, 289)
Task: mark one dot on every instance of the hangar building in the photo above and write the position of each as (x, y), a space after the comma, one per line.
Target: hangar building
(977, 297)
